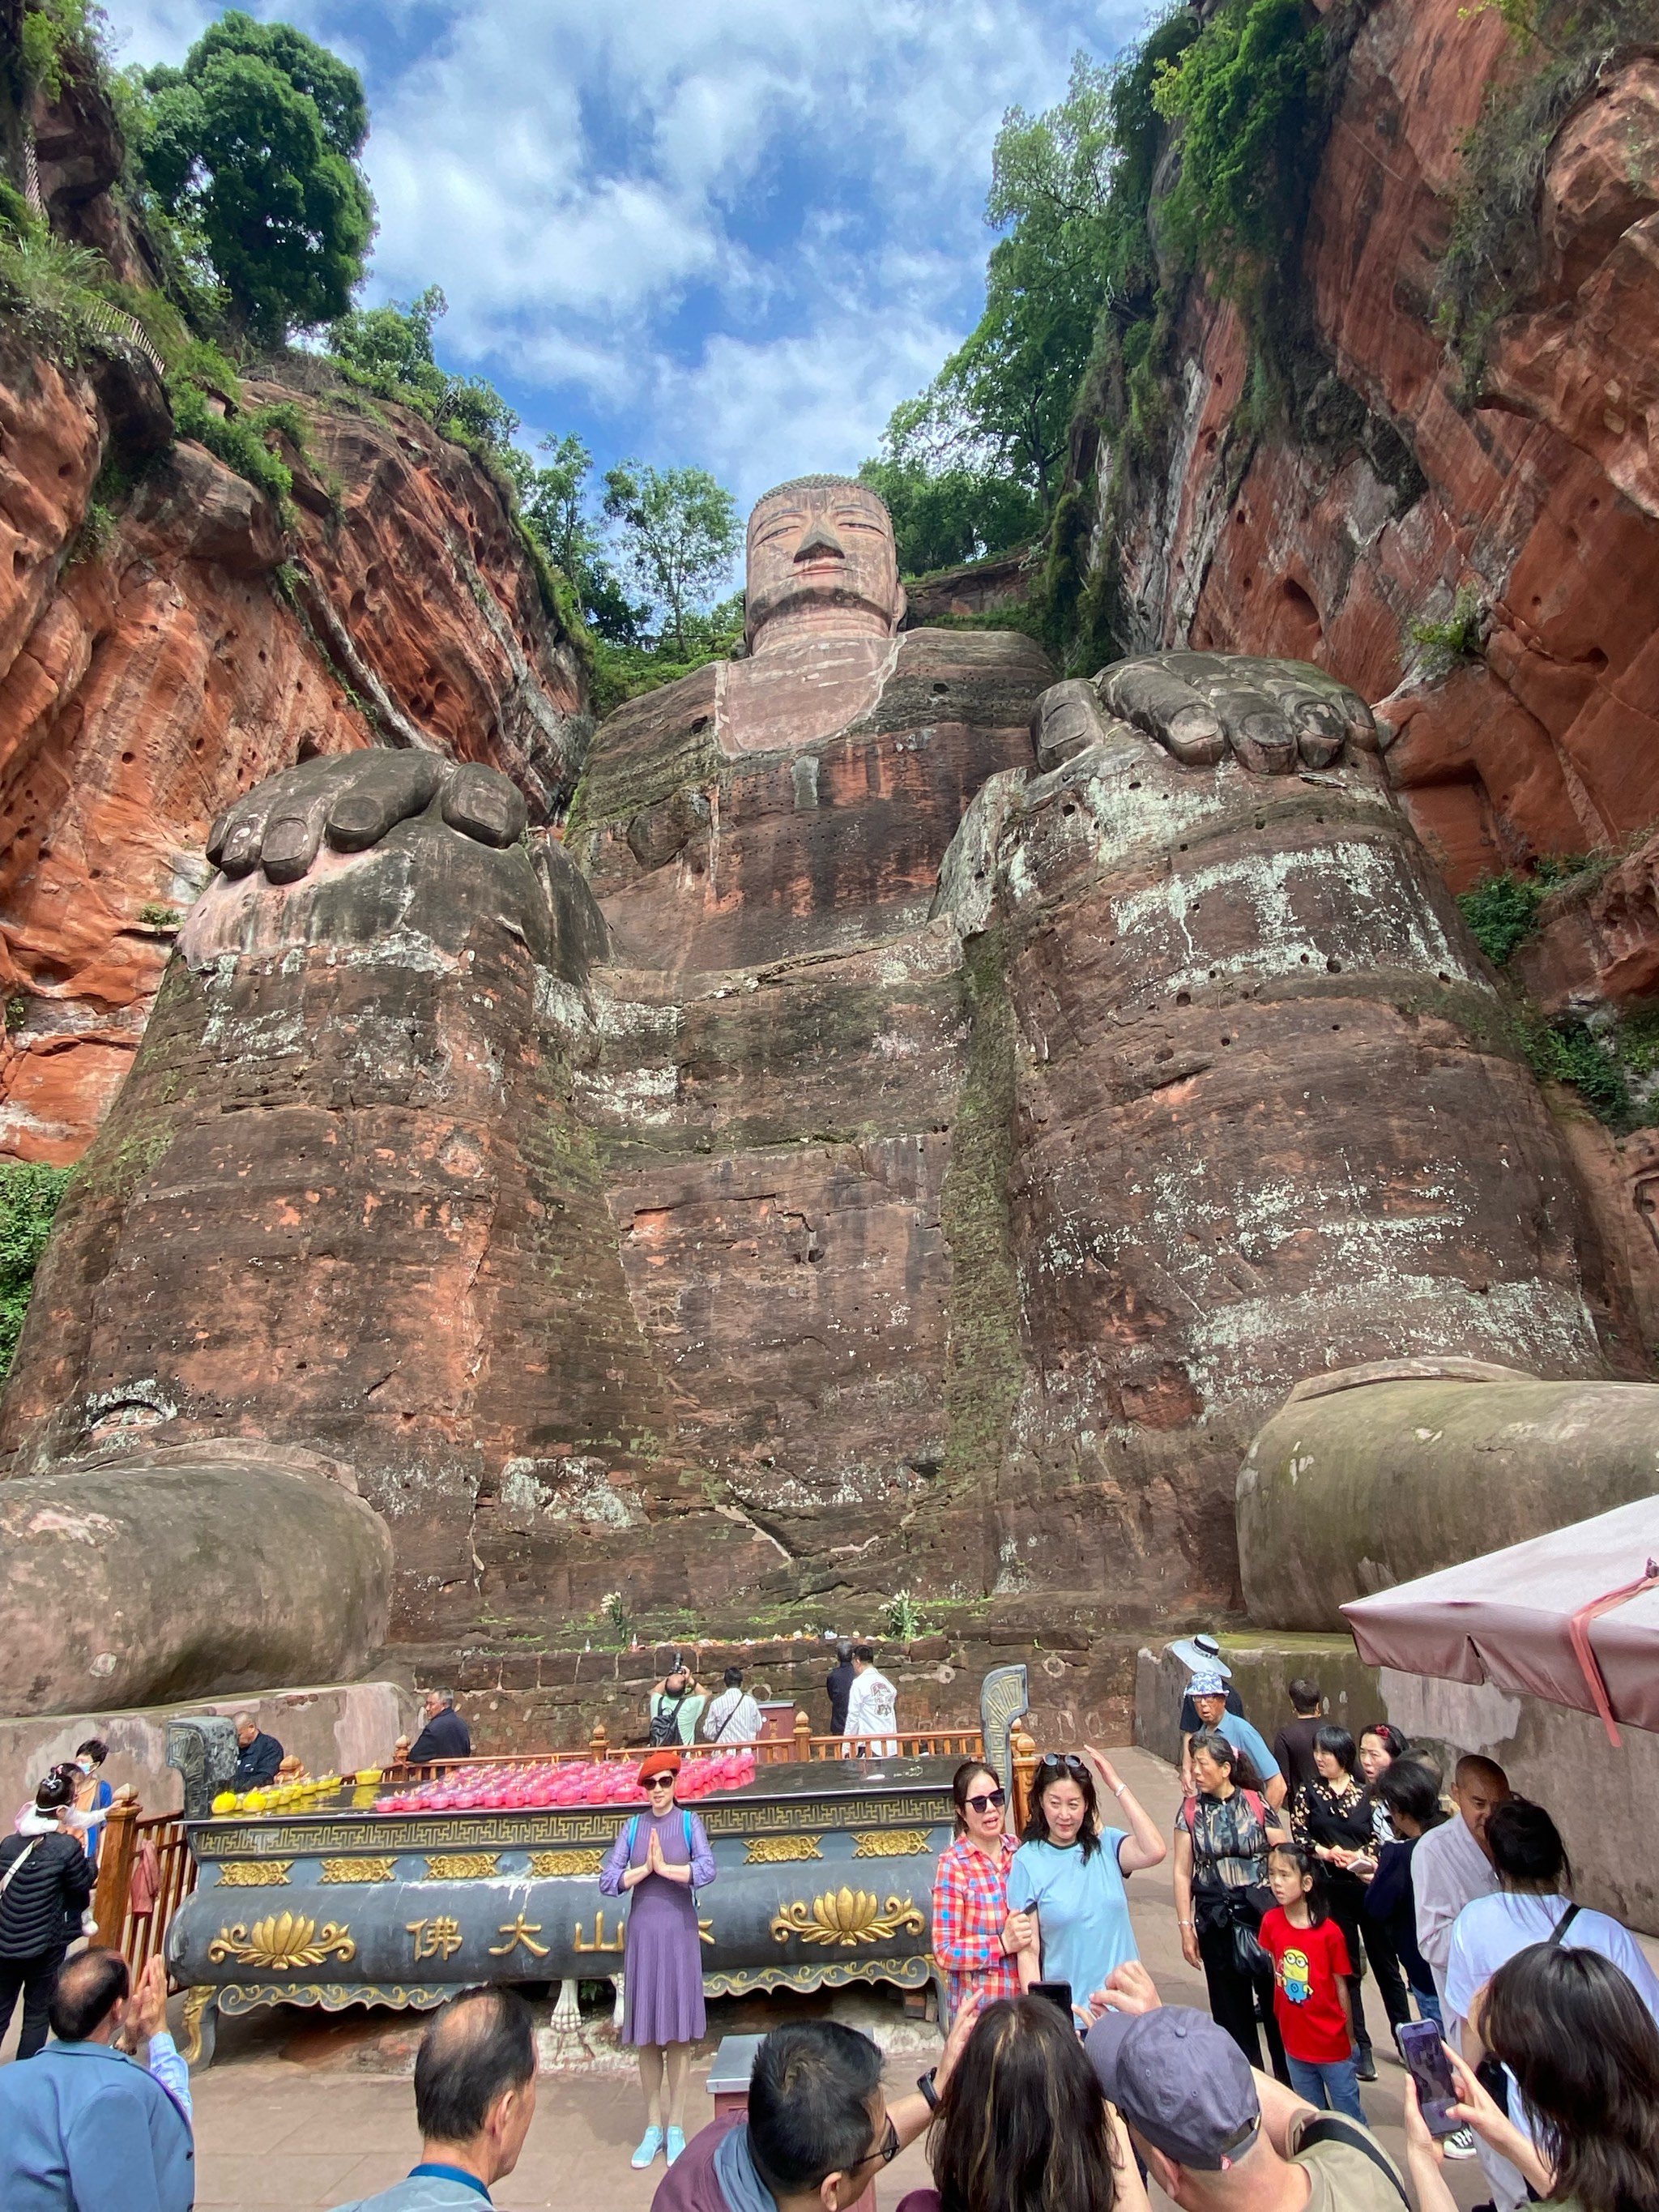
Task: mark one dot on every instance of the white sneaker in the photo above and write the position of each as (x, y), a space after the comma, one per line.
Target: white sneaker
(1461, 2145)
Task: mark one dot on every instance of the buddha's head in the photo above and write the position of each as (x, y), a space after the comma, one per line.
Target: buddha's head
(821, 561)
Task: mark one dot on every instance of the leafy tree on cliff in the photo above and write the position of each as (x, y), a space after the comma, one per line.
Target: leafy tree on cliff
(252, 148)
(556, 512)
(944, 514)
(678, 534)
(389, 349)
(1070, 190)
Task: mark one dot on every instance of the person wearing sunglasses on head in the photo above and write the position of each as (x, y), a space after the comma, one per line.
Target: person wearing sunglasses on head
(977, 1939)
(1067, 1874)
(659, 1861)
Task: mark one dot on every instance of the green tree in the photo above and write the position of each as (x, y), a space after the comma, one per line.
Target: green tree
(389, 349)
(944, 514)
(678, 534)
(557, 513)
(252, 147)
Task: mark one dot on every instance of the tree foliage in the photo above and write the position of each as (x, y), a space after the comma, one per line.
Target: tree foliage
(944, 514)
(388, 349)
(678, 533)
(252, 148)
(972, 466)
(1244, 98)
(29, 1197)
(557, 513)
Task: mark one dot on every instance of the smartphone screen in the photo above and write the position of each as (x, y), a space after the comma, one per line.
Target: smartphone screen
(1058, 1994)
(1424, 2050)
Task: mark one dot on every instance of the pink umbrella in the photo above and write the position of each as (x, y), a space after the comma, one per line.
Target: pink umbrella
(1572, 1617)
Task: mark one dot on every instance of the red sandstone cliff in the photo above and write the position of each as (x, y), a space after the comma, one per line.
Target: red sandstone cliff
(142, 689)
(1541, 497)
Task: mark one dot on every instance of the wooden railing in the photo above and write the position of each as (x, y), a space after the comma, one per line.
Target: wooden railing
(769, 1751)
(140, 1936)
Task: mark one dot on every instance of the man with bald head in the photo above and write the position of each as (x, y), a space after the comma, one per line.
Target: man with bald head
(475, 2097)
(1451, 1865)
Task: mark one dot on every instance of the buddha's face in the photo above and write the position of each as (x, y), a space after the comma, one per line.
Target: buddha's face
(821, 558)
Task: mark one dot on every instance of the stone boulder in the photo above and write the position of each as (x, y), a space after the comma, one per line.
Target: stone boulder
(1377, 1475)
(181, 1574)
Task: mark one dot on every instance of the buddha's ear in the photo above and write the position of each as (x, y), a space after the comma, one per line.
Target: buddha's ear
(901, 603)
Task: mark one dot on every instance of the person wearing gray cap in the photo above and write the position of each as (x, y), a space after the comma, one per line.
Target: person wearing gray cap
(1216, 2136)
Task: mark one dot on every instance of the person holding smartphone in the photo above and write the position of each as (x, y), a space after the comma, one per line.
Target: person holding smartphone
(1583, 2050)
(1067, 1874)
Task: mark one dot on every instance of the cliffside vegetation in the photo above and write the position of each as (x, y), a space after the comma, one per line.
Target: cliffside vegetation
(28, 1198)
(248, 222)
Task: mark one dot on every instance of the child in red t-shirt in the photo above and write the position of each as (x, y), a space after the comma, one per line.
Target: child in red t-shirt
(1310, 1989)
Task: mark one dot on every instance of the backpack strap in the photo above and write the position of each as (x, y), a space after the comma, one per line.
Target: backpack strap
(1558, 1932)
(1337, 2128)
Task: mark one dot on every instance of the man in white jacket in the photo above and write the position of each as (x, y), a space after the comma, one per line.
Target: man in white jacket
(733, 1717)
(872, 1710)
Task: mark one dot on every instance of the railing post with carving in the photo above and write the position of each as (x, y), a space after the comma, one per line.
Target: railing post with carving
(803, 1737)
(599, 1744)
(1025, 1761)
(109, 1899)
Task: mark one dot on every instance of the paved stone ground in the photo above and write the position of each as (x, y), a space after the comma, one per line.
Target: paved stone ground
(302, 2114)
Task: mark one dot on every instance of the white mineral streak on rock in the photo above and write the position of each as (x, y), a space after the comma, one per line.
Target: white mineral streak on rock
(571, 1489)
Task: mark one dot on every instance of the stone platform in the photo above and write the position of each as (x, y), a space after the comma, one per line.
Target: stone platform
(334, 1728)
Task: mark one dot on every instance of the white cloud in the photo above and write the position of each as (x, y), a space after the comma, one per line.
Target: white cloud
(739, 230)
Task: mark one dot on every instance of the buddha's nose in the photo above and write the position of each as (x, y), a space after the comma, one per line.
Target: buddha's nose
(817, 540)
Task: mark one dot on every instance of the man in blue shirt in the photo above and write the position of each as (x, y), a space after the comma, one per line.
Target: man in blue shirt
(1209, 1695)
(475, 2096)
(83, 2128)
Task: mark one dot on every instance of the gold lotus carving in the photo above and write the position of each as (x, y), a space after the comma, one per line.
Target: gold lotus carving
(891, 1843)
(462, 1866)
(780, 1850)
(358, 1869)
(287, 1939)
(546, 1865)
(848, 1917)
(250, 1873)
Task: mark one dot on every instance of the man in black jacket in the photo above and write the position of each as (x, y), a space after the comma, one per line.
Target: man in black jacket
(257, 1756)
(840, 1687)
(48, 1885)
(445, 1734)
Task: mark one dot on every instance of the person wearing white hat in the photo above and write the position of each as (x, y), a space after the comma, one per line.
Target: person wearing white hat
(1208, 1692)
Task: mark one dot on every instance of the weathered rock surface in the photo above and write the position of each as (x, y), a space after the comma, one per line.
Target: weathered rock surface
(1327, 542)
(143, 686)
(172, 1574)
(1266, 1120)
(966, 1248)
(1374, 1476)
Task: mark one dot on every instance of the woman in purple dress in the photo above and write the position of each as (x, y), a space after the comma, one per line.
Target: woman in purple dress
(660, 1860)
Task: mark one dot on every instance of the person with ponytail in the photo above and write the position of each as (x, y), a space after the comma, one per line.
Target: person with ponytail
(1581, 2050)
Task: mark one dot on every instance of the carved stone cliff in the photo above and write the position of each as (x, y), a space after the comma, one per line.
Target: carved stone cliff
(148, 675)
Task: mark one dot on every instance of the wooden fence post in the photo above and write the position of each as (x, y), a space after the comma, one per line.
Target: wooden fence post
(802, 1736)
(599, 1744)
(1025, 1749)
(109, 1899)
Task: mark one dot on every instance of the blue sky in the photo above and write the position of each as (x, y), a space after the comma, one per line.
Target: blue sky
(727, 232)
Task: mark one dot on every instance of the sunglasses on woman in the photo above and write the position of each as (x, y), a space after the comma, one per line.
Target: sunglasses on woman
(660, 1781)
(993, 1800)
(1068, 1759)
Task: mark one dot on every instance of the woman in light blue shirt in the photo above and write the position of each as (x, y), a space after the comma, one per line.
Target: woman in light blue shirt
(1068, 1873)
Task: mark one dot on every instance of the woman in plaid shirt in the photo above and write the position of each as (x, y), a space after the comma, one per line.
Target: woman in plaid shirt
(976, 1938)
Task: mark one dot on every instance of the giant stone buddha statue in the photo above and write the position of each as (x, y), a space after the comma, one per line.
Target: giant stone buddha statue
(912, 1128)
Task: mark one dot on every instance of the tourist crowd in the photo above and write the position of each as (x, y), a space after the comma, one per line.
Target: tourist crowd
(1066, 2084)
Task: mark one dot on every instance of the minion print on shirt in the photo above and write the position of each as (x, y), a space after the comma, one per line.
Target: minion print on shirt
(1293, 1976)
